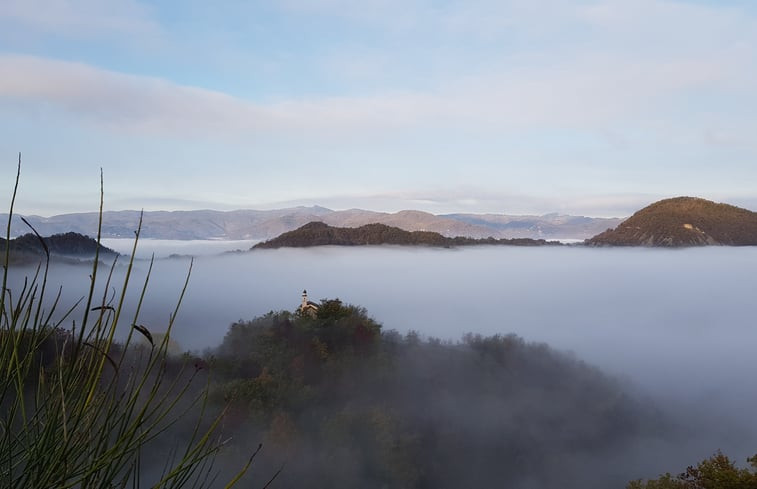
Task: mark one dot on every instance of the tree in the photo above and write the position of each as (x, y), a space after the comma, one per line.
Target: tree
(716, 472)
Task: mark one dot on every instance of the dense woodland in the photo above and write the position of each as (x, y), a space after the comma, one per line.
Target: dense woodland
(341, 403)
(338, 402)
(320, 234)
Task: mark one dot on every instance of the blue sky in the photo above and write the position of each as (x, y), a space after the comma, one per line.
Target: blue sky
(506, 106)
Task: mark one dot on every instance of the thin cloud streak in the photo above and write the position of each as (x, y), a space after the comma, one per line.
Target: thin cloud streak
(586, 96)
(516, 107)
(478, 200)
(81, 18)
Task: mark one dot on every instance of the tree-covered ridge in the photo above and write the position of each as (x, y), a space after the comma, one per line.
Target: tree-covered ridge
(716, 472)
(683, 221)
(66, 244)
(345, 404)
(320, 234)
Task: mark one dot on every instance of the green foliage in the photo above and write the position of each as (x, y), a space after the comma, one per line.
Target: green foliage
(79, 410)
(274, 361)
(716, 472)
(345, 404)
(388, 448)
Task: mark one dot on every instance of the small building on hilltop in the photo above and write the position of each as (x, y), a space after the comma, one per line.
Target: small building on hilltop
(308, 307)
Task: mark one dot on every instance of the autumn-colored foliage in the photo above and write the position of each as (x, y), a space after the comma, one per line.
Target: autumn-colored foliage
(683, 221)
(716, 472)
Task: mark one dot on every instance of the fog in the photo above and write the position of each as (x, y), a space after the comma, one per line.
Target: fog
(678, 326)
(163, 248)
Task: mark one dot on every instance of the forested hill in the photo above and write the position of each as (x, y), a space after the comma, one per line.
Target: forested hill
(683, 221)
(344, 404)
(67, 244)
(320, 234)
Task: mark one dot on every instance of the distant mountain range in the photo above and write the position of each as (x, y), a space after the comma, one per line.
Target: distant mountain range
(266, 224)
(683, 221)
(320, 234)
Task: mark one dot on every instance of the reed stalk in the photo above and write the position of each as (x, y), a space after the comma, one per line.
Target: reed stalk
(78, 409)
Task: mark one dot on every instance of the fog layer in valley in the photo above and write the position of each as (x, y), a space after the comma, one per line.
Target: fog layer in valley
(163, 248)
(677, 325)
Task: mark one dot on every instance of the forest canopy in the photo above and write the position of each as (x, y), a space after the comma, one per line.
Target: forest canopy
(343, 403)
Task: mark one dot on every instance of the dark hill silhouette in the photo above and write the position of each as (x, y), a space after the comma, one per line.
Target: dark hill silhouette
(66, 244)
(321, 234)
(683, 221)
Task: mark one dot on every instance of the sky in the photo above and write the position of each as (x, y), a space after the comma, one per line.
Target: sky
(501, 106)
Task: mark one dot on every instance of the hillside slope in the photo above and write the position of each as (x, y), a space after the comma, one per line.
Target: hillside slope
(371, 409)
(321, 234)
(683, 221)
(66, 245)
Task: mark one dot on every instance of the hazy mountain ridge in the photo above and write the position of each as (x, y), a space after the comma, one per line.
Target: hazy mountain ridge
(683, 221)
(266, 224)
(553, 225)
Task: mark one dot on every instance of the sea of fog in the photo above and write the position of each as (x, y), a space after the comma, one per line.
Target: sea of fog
(678, 326)
(163, 248)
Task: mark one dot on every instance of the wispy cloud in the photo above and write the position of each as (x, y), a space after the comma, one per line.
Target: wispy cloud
(80, 18)
(308, 98)
(461, 199)
(586, 93)
(637, 69)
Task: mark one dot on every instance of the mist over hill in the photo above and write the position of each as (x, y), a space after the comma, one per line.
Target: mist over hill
(683, 221)
(686, 344)
(266, 224)
(548, 225)
(343, 404)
